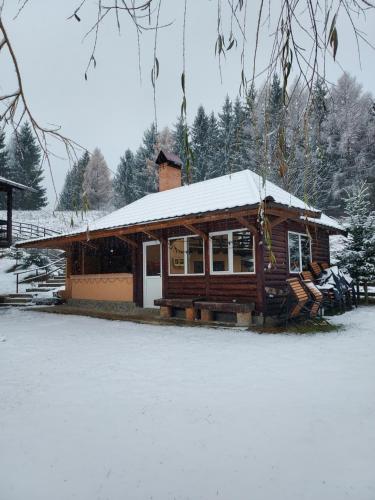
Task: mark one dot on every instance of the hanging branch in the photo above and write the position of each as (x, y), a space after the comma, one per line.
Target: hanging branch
(16, 109)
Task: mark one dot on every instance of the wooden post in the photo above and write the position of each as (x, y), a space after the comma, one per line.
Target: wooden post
(206, 243)
(9, 215)
(82, 259)
(259, 269)
(68, 273)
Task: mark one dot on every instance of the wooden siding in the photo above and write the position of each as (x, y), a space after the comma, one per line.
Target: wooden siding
(243, 288)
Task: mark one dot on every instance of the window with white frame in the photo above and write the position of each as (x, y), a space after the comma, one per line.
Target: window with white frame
(186, 255)
(232, 252)
(299, 252)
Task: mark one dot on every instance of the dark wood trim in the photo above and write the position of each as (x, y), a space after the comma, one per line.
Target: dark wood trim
(259, 273)
(127, 240)
(148, 228)
(277, 221)
(245, 223)
(9, 215)
(196, 231)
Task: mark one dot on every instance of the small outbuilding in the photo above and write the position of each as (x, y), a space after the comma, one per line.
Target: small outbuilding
(7, 186)
(222, 240)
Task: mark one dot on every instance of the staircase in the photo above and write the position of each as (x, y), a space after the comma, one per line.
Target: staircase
(41, 280)
(49, 285)
(16, 300)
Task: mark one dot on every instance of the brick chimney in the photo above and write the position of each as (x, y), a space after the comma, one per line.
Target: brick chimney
(170, 167)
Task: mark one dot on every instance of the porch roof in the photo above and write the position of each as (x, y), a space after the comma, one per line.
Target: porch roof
(234, 191)
(14, 185)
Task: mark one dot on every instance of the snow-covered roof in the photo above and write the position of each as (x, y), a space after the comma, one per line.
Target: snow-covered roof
(240, 189)
(324, 220)
(14, 184)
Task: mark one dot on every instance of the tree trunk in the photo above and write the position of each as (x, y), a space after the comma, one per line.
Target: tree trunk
(365, 288)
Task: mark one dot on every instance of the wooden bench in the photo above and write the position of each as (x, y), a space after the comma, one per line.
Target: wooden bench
(316, 297)
(168, 305)
(316, 269)
(299, 295)
(243, 311)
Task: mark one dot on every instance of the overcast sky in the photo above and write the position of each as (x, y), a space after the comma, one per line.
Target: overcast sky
(112, 109)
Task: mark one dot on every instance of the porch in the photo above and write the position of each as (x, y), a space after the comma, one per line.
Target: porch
(6, 200)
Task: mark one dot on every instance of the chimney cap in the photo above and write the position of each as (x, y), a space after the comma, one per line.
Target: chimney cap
(166, 157)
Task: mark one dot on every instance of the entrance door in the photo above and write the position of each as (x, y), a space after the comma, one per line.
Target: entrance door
(152, 283)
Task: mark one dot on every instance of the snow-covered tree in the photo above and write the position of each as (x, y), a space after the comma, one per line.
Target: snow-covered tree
(199, 138)
(24, 167)
(178, 134)
(145, 167)
(124, 180)
(71, 195)
(214, 167)
(4, 171)
(226, 137)
(358, 254)
(320, 166)
(348, 129)
(97, 184)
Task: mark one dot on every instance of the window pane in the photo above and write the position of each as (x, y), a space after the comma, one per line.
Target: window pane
(176, 256)
(294, 266)
(305, 250)
(220, 252)
(243, 261)
(195, 255)
(153, 260)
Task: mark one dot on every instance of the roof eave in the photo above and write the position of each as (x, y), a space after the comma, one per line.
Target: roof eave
(63, 240)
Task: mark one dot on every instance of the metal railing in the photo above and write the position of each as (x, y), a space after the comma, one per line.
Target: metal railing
(50, 268)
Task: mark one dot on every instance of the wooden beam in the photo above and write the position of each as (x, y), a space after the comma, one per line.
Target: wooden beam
(196, 231)
(245, 223)
(87, 244)
(227, 214)
(151, 235)
(277, 221)
(127, 240)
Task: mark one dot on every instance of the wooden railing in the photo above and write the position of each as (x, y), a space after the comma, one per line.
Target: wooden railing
(27, 230)
(363, 292)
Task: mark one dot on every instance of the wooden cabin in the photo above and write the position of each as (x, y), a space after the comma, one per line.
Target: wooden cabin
(6, 189)
(223, 240)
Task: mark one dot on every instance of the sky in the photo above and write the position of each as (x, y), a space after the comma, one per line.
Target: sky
(112, 108)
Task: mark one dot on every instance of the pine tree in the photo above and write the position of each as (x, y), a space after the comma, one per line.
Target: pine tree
(145, 167)
(242, 137)
(349, 123)
(273, 123)
(214, 168)
(322, 173)
(250, 136)
(97, 184)
(66, 195)
(71, 194)
(124, 180)
(226, 137)
(24, 167)
(358, 255)
(179, 132)
(199, 138)
(4, 170)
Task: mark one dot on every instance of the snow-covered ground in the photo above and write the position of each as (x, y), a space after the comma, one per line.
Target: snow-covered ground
(92, 409)
(61, 221)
